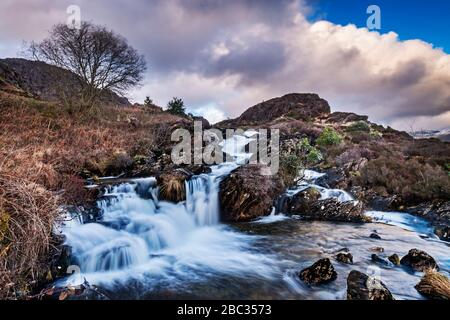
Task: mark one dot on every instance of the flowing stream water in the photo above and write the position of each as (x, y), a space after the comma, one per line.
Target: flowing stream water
(144, 248)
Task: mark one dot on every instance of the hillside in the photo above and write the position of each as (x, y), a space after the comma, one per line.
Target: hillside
(48, 155)
(50, 83)
(384, 168)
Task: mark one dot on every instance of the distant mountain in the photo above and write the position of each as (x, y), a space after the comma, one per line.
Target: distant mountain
(47, 82)
(443, 135)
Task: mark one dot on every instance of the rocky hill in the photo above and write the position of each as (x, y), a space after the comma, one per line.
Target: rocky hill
(300, 106)
(47, 82)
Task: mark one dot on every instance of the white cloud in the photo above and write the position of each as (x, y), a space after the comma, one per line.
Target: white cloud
(234, 54)
(210, 113)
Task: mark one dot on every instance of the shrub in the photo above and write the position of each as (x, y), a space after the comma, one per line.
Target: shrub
(413, 181)
(148, 102)
(294, 161)
(28, 214)
(309, 154)
(360, 136)
(290, 168)
(358, 126)
(349, 156)
(118, 163)
(176, 106)
(329, 137)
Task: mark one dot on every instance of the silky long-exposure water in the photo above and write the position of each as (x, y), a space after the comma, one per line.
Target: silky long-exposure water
(144, 248)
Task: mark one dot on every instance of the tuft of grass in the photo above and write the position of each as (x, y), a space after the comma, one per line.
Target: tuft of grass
(434, 285)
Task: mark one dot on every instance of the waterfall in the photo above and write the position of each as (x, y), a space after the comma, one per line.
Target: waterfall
(142, 247)
(202, 199)
(137, 230)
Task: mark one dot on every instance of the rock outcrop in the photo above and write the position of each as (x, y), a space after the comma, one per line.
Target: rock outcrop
(300, 106)
(307, 204)
(362, 287)
(320, 272)
(249, 192)
(345, 117)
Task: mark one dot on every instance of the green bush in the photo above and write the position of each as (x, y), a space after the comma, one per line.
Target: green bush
(294, 162)
(358, 126)
(329, 137)
(290, 168)
(176, 106)
(309, 154)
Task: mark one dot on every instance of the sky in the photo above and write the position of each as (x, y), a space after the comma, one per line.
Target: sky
(224, 56)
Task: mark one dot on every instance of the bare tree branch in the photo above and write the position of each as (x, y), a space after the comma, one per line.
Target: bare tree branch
(100, 58)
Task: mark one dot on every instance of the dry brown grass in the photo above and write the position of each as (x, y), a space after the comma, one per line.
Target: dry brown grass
(43, 150)
(434, 285)
(30, 212)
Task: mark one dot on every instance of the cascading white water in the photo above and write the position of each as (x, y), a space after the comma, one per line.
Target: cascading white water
(308, 181)
(137, 231)
(176, 246)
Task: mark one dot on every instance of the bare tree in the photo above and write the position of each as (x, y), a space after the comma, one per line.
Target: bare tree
(101, 59)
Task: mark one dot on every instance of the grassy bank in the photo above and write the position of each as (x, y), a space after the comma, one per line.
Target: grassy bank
(45, 151)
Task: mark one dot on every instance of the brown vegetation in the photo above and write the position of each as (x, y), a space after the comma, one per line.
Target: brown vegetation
(44, 151)
(434, 285)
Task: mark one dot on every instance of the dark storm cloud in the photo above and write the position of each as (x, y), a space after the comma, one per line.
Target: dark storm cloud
(254, 63)
(408, 74)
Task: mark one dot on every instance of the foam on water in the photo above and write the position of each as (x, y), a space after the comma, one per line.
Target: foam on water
(181, 246)
(138, 235)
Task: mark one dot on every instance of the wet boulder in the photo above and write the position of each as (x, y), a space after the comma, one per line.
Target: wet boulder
(197, 169)
(172, 185)
(419, 261)
(379, 260)
(362, 287)
(249, 192)
(438, 212)
(319, 273)
(434, 285)
(345, 257)
(375, 236)
(443, 232)
(303, 201)
(395, 259)
(334, 210)
(308, 205)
